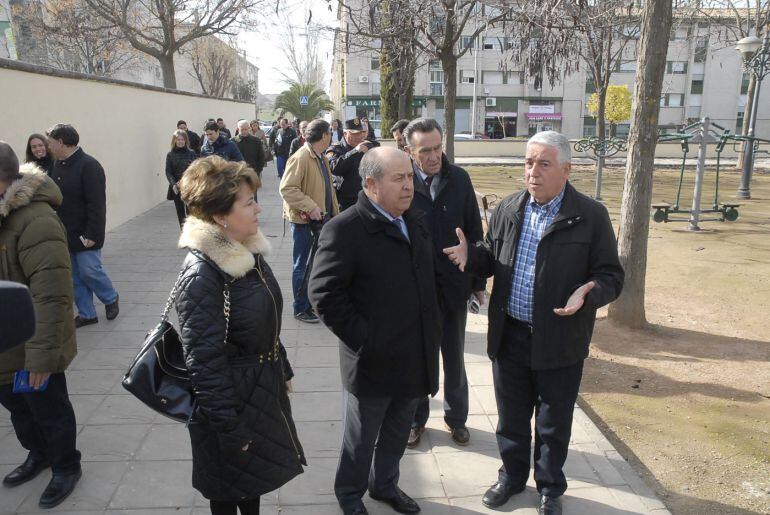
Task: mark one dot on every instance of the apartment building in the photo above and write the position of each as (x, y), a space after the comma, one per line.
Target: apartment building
(704, 77)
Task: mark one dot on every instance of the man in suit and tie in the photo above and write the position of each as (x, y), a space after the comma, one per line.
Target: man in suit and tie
(554, 257)
(373, 284)
(444, 193)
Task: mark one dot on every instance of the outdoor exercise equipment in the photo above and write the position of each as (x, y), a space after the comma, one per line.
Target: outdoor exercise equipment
(703, 133)
(601, 148)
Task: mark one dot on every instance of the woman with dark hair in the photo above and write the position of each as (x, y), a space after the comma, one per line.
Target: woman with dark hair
(38, 152)
(336, 131)
(177, 161)
(244, 443)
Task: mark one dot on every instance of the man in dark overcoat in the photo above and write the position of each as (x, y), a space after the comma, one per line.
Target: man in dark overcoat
(373, 284)
(445, 194)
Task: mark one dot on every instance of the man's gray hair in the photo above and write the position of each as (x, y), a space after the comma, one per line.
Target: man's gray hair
(420, 125)
(371, 166)
(556, 140)
(244, 123)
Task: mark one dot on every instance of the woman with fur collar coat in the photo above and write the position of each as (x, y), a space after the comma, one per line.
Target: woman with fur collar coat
(244, 443)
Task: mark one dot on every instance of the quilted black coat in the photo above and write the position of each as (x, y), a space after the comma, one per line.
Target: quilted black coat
(239, 385)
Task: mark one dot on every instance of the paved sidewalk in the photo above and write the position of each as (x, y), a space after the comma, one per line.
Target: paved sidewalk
(137, 462)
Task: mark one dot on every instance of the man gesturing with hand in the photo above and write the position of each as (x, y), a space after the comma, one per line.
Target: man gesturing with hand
(554, 258)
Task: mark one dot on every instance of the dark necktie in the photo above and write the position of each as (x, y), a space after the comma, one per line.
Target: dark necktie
(428, 181)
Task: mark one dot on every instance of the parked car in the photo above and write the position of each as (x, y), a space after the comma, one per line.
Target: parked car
(465, 135)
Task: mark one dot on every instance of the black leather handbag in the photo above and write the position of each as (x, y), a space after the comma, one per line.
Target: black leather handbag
(158, 375)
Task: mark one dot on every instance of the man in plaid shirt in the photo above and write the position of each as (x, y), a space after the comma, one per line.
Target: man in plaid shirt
(554, 256)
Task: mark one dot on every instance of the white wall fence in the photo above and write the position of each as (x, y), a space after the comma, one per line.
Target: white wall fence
(126, 126)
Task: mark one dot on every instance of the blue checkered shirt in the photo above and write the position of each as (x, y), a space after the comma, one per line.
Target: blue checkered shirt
(536, 220)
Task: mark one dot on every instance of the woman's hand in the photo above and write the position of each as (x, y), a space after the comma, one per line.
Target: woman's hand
(289, 387)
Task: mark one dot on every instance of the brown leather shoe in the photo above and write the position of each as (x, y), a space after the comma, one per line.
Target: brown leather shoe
(414, 437)
(460, 435)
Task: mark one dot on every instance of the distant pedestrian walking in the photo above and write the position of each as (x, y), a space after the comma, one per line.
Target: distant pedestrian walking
(83, 212)
(177, 161)
(219, 144)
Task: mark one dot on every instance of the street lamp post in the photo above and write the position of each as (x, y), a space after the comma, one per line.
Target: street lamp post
(756, 60)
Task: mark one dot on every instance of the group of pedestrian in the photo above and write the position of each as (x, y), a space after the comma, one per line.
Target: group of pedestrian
(389, 253)
(395, 272)
(248, 145)
(52, 229)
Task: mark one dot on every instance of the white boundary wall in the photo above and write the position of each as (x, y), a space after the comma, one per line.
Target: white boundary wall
(127, 128)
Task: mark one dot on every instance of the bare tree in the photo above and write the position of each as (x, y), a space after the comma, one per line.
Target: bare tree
(160, 28)
(213, 65)
(628, 309)
(301, 50)
(74, 38)
(437, 27)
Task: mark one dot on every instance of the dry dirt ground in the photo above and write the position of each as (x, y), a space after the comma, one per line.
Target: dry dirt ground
(687, 401)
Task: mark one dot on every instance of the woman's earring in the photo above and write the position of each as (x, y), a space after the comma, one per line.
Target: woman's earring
(225, 226)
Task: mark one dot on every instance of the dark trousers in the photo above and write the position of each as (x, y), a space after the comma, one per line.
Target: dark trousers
(551, 394)
(455, 380)
(181, 209)
(231, 507)
(303, 242)
(378, 428)
(44, 423)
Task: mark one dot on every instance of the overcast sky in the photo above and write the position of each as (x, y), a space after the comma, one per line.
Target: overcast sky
(264, 49)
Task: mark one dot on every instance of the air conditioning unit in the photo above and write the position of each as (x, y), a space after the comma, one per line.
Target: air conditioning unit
(491, 102)
(363, 78)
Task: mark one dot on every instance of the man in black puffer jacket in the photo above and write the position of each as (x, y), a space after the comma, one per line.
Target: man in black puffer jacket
(83, 212)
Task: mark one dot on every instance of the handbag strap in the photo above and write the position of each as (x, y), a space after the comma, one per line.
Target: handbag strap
(172, 298)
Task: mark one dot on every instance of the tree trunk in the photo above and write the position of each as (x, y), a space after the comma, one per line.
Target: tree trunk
(628, 310)
(449, 65)
(167, 68)
(746, 117)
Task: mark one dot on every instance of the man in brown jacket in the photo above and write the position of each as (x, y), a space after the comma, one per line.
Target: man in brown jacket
(33, 251)
(308, 201)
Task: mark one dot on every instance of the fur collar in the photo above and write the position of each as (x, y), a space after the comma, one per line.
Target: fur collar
(235, 259)
(21, 191)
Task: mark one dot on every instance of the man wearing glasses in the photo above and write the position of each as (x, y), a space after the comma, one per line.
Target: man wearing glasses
(445, 194)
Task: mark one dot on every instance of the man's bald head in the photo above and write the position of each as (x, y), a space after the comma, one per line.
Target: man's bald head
(388, 179)
(377, 160)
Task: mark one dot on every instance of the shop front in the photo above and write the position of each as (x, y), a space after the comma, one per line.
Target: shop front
(500, 124)
(370, 107)
(543, 118)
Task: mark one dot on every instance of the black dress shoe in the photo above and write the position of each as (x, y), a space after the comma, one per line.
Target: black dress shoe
(414, 437)
(499, 493)
(550, 505)
(112, 310)
(58, 489)
(80, 321)
(460, 435)
(358, 510)
(402, 503)
(27, 471)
